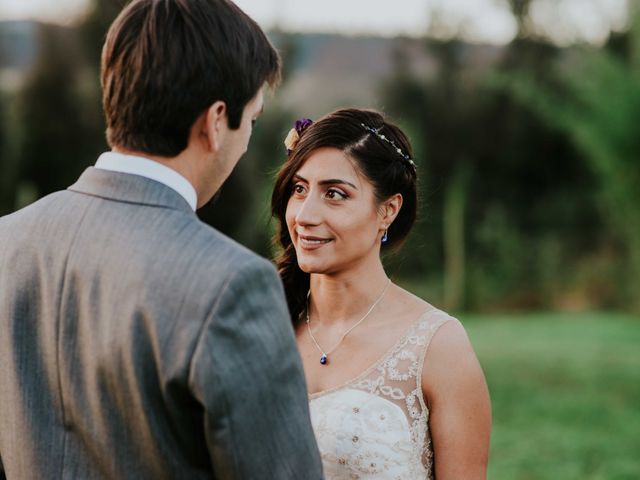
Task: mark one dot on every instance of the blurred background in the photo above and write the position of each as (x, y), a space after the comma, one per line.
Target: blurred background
(525, 120)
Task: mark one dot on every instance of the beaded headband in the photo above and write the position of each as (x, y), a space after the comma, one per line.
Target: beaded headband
(302, 124)
(376, 132)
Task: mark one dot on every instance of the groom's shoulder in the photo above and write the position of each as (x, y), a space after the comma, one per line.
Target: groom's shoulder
(26, 215)
(213, 248)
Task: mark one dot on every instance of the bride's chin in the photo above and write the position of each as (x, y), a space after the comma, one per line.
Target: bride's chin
(306, 268)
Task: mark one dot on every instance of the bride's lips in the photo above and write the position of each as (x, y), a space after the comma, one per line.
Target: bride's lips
(309, 242)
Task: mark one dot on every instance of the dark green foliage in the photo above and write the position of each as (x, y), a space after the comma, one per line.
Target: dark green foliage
(7, 167)
(508, 198)
(56, 142)
(93, 28)
(598, 110)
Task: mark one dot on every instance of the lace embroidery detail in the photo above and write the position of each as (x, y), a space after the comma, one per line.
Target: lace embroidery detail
(376, 426)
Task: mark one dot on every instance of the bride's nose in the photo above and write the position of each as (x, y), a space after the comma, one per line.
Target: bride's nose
(308, 211)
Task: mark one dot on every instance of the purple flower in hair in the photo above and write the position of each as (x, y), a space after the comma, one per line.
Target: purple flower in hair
(294, 134)
(302, 124)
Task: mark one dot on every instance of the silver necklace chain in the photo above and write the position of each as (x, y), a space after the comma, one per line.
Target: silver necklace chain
(325, 355)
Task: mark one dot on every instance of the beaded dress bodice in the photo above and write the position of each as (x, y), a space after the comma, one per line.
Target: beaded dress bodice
(376, 425)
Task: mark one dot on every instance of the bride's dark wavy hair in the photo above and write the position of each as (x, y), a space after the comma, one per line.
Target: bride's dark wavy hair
(388, 171)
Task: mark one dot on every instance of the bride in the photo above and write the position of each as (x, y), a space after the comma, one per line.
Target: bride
(395, 389)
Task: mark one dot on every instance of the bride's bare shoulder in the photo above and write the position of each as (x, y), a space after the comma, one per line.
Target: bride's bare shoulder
(451, 365)
(411, 304)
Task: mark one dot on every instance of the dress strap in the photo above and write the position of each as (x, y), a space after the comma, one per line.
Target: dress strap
(427, 327)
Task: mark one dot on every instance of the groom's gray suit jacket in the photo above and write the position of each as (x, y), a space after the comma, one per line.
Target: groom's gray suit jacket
(137, 342)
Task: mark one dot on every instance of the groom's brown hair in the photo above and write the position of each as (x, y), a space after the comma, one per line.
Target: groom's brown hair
(165, 61)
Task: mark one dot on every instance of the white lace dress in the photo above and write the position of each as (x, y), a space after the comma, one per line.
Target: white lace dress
(376, 426)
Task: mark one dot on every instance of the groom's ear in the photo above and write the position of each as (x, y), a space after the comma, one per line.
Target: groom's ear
(214, 125)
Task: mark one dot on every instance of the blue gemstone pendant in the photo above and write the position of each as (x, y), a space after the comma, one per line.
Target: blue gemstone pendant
(323, 359)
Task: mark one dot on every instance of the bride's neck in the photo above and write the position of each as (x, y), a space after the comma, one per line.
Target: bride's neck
(340, 297)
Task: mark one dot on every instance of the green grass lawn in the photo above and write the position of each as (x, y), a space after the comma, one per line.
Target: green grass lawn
(565, 390)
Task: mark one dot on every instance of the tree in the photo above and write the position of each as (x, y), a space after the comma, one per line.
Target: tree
(598, 109)
(7, 167)
(55, 144)
(442, 112)
(506, 194)
(520, 10)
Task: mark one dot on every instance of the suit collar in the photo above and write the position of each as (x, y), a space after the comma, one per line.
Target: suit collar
(145, 167)
(130, 188)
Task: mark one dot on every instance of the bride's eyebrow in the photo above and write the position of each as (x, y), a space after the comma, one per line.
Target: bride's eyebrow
(336, 181)
(298, 177)
(330, 181)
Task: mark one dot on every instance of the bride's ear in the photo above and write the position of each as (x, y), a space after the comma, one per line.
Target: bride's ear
(389, 210)
(214, 126)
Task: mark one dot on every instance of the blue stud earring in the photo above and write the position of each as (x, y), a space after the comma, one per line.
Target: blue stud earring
(385, 237)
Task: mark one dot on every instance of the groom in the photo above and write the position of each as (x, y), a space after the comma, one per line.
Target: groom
(135, 341)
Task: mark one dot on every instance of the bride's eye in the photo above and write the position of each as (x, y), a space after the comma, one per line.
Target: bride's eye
(298, 189)
(334, 194)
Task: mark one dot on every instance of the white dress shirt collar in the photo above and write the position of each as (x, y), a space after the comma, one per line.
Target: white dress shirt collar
(119, 162)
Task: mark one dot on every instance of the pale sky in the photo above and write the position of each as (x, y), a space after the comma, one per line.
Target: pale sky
(473, 20)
